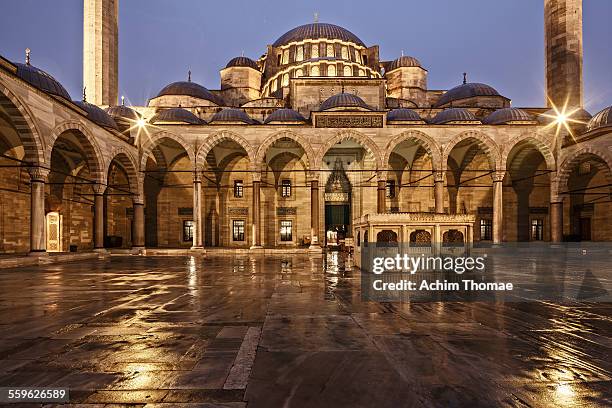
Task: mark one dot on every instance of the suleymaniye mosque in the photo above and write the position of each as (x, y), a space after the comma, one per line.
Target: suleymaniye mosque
(205, 246)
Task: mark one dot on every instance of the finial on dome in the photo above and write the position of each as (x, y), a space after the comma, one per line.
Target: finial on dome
(242, 53)
(84, 94)
(342, 88)
(27, 61)
(464, 78)
(189, 76)
(316, 17)
(122, 100)
(402, 53)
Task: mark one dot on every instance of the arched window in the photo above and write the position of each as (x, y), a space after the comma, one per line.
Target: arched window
(274, 85)
(348, 71)
(299, 73)
(330, 50)
(299, 53)
(357, 56)
(286, 56)
(285, 79)
(386, 238)
(315, 71)
(345, 54)
(314, 51)
(362, 72)
(331, 70)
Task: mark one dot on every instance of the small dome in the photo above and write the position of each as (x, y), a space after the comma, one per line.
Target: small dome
(465, 91)
(506, 115)
(41, 80)
(284, 115)
(242, 62)
(404, 61)
(343, 100)
(189, 88)
(232, 115)
(122, 112)
(97, 115)
(316, 31)
(601, 119)
(174, 115)
(403, 115)
(454, 115)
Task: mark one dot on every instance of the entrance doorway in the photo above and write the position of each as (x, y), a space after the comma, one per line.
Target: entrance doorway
(337, 207)
(585, 228)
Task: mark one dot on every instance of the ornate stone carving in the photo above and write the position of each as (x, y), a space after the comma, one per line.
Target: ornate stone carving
(239, 211)
(281, 211)
(498, 175)
(38, 173)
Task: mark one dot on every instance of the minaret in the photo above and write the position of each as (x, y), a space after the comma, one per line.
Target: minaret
(100, 51)
(563, 30)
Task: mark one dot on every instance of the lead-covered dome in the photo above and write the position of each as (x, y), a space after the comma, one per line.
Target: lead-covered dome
(508, 116)
(403, 115)
(188, 88)
(176, 115)
(404, 62)
(242, 62)
(122, 112)
(454, 115)
(232, 115)
(601, 119)
(465, 91)
(315, 31)
(41, 80)
(284, 116)
(344, 100)
(97, 115)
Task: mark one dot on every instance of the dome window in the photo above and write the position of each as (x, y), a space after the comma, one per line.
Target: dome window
(348, 71)
(299, 53)
(285, 79)
(330, 50)
(345, 53)
(331, 70)
(362, 72)
(314, 51)
(315, 71)
(299, 73)
(358, 56)
(286, 56)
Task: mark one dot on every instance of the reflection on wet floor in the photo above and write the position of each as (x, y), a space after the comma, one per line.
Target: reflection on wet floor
(288, 331)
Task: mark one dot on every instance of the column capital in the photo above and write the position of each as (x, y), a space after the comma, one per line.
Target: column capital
(381, 175)
(498, 175)
(439, 176)
(98, 188)
(256, 177)
(137, 200)
(38, 173)
(313, 175)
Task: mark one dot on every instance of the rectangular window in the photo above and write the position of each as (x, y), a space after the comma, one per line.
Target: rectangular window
(537, 230)
(390, 188)
(486, 229)
(238, 230)
(286, 231)
(238, 189)
(286, 188)
(187, 230)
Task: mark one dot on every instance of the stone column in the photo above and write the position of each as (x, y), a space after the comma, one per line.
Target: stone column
(439, 191)
(255, 229)
(198, 232)
(138, 238)
(381, 197)
(556, 221)
(38, 241)
(99, 217)
(498, 205)
(314, 213)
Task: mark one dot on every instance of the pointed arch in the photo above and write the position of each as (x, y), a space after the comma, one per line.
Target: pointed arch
(483, 141)
(426, 142)
(360, 138)
(286, 134)
(91, 149)
(27, 128)
(528, 138)
(128, 162)
(213, 140)
(149, 145)
(570, 162)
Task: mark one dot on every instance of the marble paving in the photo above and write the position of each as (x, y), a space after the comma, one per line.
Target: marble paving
(286, 331)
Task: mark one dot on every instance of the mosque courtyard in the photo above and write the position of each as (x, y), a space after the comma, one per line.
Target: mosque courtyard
(286, 331)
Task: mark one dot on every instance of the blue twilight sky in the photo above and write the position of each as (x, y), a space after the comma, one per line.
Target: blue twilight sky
(499, 42)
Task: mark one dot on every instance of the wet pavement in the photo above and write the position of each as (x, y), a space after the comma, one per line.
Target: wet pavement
(287, 331)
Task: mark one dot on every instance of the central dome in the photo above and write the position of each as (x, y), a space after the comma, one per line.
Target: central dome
(315, 31)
